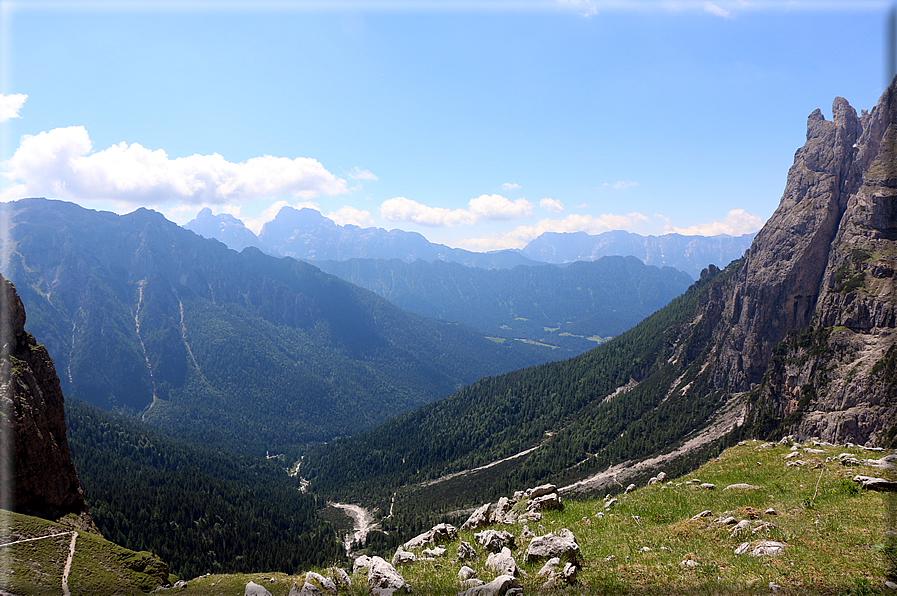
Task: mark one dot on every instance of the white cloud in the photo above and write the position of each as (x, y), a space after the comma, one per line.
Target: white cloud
(511, 186)
(521, 235)
(716, 10)
(350, 215)
(621, 184)
(551, 205)
(359, 174)
(59, 163)
(485, 207)
(585, 8)
(10, 105)
(736, 223)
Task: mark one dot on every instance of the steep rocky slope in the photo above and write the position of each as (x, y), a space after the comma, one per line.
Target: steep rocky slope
(797, 337)
(37, 477)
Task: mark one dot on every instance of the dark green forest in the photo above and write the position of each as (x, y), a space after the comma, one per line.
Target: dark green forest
(201, 511)
(557, 305)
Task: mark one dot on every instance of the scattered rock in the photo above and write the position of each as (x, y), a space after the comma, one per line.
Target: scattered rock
(726, 520)
(629, 489)
(471, 583)
(568, 574)
(465, 551)
(253, 589)
(549, 567)
(775, 588)
(687, 563)
(384, 580)
(871, 483)
(742, 548)
(466, 573)
(502, 562)
(479, 518)
(765, 526)
(494, 540)
(796, 463)
(740, 527)
(314, 584)
(436, 535)
(792, 455)
(545, 489)
(661, 476)
(403, 557)
(499, 511)
(610, 503)
(503, 584)
(362, 562)
(705, 513)
(561, 544)
(771, 511)
(741, 487)
(549, 502)
(708, 486)
(767, 548)
(433, 552)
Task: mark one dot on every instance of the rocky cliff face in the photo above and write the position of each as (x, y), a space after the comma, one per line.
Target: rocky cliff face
(38, 476)
(808, 320)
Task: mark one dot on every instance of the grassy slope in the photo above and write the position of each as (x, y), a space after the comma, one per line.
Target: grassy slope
(99, 567)
(836, 535)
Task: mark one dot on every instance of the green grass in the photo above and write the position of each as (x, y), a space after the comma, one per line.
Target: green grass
(835, 535)
(99, 567)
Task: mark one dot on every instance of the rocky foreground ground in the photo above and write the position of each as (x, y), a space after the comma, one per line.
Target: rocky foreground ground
(762, 518)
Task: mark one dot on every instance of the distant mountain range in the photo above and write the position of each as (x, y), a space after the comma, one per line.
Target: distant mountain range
(685, 253)
(574, 307)
(307, 235)
(146, 318)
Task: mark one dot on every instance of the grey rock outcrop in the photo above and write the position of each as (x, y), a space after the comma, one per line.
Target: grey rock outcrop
(438, 534)
(502, 562)
(254, 589)
(497, 587)
(494, 540)
(384, 580)
(37, 476)
(561, 544)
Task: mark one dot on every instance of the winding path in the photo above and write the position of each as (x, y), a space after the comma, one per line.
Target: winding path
(68, 561)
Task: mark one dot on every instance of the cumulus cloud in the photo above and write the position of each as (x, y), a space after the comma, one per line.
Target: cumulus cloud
(736, 223)
(621, 184)
(521, 235)
(511, 186)
(359, 174)
(551, 205)
(716, 10)
(350, 215)
(482, 208)
(10, 105)
(59, 163)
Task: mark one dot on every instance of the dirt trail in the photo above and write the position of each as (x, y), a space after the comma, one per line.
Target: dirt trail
(68, 566)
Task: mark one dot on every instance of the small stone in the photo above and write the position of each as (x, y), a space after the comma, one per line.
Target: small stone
(708, 486)
(767, 548)
(705, 513)
(775, 588)
(629, 489)
(741, 486)
(465, 551)
(742, 548)
(254, 589)
(890, 585)
(466, 573)
(771, 511)
(688, 563)
(610, 503)
(549, 567)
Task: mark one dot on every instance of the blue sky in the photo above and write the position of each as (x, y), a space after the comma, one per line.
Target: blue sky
(478, 124)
